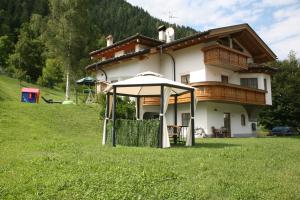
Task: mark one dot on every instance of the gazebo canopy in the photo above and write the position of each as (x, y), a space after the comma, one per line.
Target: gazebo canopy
(147, 84)
(86, 81)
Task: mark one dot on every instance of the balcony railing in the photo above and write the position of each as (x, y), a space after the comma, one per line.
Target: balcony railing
(222, 56)
(218, 91)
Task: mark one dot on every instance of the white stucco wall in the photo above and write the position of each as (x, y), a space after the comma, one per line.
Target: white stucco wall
(214, 74)
(128, 69)
(210, 114)
(215, 117)
(188, 61)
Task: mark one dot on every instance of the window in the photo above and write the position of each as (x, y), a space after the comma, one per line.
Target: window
(265, 85)
(185, 79)
(185, 119)
(224, 79)
(249, 82)
(243, 120)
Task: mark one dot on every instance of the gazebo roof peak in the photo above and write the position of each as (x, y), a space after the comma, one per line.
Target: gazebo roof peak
(147, 84)
(149, 73)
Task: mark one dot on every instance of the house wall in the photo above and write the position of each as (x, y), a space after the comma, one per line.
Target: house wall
(214, 74)
(128, 69)
(215, 117)
(188, 61)
(210, 114)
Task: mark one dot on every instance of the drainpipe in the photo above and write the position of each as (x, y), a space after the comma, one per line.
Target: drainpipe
(173, 60)
(174, 79)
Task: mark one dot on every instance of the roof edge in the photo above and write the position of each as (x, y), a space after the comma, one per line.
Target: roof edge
(136, 36)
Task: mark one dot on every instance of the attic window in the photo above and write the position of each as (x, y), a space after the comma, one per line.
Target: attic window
(226, 42)
(237, 47)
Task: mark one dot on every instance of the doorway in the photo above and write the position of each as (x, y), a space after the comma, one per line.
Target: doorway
(227, 124)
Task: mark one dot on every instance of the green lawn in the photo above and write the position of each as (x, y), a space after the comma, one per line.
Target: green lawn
(55, 152)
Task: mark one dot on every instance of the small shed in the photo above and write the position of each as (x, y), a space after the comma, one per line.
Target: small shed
(30, 95)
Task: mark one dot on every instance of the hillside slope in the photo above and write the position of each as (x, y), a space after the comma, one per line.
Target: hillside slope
(55, 152)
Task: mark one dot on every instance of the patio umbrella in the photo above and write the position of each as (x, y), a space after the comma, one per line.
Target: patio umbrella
(86, 81)
(89, 81)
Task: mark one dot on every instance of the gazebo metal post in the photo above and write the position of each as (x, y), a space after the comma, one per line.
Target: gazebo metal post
(161, 118)
(114, 116)
(106, 113)
(175, 110)
(193, 117)
(138, 107)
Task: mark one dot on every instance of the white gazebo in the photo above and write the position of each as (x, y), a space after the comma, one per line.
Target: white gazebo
(149, 84)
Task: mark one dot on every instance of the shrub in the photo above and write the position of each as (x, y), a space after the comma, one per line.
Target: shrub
(125, 107)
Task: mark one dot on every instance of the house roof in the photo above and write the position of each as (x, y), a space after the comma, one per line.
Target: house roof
(243, 33)
(148, 40)
(30, 90)
(116, 59)
(259, 68)
(247, 37)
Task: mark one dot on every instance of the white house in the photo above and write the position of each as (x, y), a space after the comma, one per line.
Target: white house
(226, 65)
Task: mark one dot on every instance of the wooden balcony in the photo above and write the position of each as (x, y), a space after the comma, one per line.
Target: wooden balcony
(222, 56)
(219, 92)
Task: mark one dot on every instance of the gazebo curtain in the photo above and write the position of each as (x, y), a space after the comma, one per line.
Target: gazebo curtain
(107, 116)
(189, 131)
(166, 141)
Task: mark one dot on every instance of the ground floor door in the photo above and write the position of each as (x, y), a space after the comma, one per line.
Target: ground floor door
(227, 124)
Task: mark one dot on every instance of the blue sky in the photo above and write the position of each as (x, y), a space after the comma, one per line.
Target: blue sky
(277, 22)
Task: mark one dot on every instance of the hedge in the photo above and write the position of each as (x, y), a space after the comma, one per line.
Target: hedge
(134, 132)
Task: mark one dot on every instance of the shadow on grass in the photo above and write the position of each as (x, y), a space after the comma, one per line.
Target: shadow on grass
(206, 145)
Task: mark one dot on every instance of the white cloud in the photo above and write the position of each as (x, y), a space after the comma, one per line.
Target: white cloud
(276, 21)
(283, 34)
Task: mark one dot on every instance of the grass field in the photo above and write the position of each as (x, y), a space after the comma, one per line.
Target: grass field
(55, 152)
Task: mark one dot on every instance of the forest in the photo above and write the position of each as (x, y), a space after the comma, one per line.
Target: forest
(42, 39)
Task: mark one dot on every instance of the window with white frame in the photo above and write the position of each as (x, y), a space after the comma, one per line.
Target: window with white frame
(185, 79)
